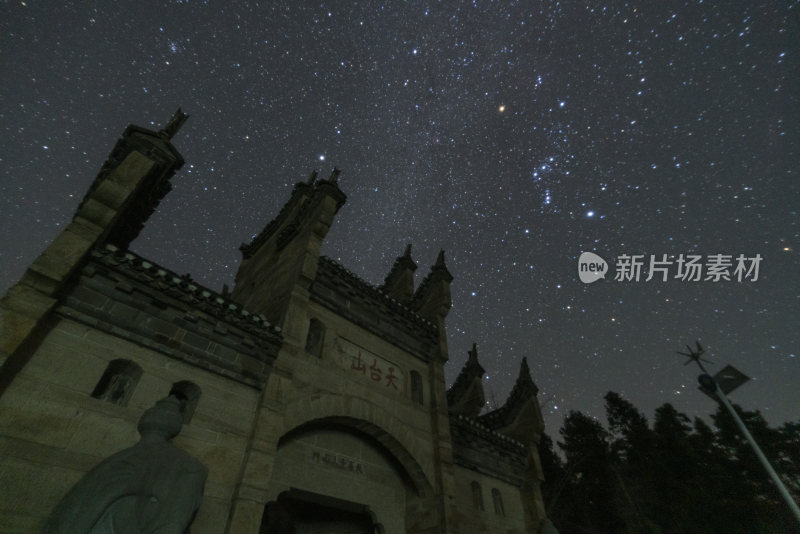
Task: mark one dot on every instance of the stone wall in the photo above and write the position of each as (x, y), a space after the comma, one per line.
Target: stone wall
(474, 520)
(326, 390)
(481, 449)
(52, 429)
(344, 465)
(123, 294)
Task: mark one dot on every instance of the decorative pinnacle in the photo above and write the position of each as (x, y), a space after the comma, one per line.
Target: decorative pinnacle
(473, 354)
(407, 253)
(524, 380)
(335, 176)
(313, 178)
(524, 370)
(440, 259)
(174, 124)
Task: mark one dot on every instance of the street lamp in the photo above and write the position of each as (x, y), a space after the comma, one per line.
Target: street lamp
(719, 385)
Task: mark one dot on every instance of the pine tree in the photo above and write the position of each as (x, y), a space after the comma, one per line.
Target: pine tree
(590, 479)
(677, 477)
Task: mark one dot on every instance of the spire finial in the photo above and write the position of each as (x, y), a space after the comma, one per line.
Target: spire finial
(440, 259)
(313, 178)
(524, 370)
(335, 176)
(473, 354)
(174, 124)
(524, 380)
(407, 253)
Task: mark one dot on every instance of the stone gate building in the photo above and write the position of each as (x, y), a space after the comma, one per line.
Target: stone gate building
(316, 401)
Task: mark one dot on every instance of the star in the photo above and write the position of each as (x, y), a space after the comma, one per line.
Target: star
(433, 155)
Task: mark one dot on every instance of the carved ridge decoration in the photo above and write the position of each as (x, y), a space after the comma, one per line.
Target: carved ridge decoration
(291, 229)
(523, 390)
(311, 189)
(329, 270)
(469, 435)
(185, 290)
(251, 248)
(471, 370)
(474, 426)
(401, 264)
(438, 272)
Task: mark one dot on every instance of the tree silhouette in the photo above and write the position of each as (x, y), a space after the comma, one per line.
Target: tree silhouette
(678, 476)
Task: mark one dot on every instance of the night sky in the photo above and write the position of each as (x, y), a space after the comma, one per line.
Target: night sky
(514, 135)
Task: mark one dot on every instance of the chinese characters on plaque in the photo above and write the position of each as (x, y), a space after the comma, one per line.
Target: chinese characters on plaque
(372, 367)
(337, 460)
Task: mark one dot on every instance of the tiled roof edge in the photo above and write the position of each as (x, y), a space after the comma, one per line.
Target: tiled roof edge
(226, 309)
(379, 294)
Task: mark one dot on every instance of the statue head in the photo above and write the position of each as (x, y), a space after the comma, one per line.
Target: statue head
(163, 421)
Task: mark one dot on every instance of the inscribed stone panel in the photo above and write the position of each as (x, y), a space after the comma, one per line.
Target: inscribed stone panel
(373, 368)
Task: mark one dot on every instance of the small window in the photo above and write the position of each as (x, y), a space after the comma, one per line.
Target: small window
(416, 387)
(477, 496)
(497, 499)
(316, 333)
(118, 382)
(188, 393)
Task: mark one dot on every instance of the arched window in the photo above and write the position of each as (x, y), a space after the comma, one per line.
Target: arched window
(189, 395)
(416, 387)
(316, 334)
(477, 496)
(118, 382)
(497, 499)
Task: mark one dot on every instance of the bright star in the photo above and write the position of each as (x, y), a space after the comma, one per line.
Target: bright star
(501, 109)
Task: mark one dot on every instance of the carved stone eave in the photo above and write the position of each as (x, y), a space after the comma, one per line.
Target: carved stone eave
(466, 396)
(151, 190)
(520, 416)
(305, 197)
(399, 283)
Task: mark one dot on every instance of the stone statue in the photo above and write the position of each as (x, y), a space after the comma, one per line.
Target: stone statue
(153, 487)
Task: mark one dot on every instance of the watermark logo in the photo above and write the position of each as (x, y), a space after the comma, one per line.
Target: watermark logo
(591, 267)
(683, 267)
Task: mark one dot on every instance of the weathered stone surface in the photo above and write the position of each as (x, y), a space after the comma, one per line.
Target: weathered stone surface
(271, 418)
(134, 299)
(151, 487)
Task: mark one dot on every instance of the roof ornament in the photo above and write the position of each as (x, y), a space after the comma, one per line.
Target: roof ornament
(473, 354)
(440, 259)
(174, 124)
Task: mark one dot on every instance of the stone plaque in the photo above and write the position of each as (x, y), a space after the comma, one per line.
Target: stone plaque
(370, 366)
(339, 461)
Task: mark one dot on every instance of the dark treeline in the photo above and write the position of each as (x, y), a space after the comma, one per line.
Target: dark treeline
(674, 476)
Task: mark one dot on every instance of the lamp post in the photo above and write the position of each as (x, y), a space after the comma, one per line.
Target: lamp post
(729, 379)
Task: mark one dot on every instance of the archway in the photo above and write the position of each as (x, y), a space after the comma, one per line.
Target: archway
(341, 474)
(302, 512)
(369, 419)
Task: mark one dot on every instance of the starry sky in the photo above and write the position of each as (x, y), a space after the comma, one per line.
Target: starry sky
(514, 135)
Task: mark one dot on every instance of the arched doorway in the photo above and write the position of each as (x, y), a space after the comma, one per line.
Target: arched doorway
(302, 512)
(341, 474)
